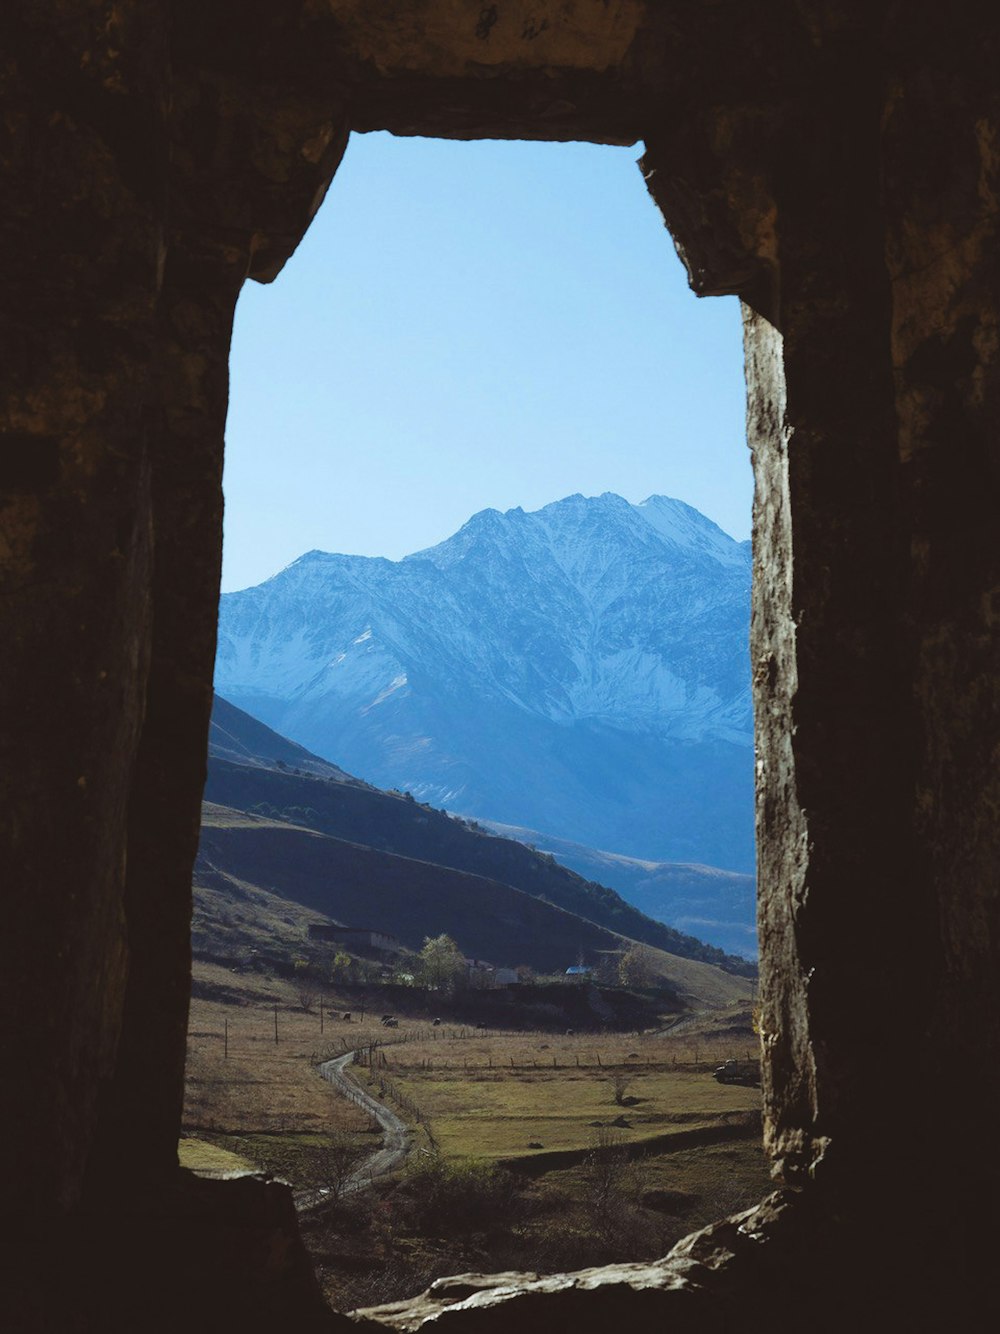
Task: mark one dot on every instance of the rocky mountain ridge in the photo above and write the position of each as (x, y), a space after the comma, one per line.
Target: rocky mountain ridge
(582, 670)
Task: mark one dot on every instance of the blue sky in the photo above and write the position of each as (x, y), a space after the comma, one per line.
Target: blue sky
(469, 325)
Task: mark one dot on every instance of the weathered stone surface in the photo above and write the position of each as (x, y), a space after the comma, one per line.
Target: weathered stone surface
(751, 1272)
(83, 232)
(456, 40)
(836, 166)
(448, 68)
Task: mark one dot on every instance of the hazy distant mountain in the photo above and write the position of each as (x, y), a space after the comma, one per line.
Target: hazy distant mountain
(701, 901)
(581, 670)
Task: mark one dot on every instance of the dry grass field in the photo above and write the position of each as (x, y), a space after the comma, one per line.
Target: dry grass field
(260, 1099)
(605, 1184)
(252, 1082)
(484, 1094)
(510, 1094)
(696, 1040)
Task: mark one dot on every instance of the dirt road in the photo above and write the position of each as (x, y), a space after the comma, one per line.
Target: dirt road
(395, 1136)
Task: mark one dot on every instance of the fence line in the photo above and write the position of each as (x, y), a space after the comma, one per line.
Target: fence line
(389, 1088)
(372, 1049)
(380, 1060)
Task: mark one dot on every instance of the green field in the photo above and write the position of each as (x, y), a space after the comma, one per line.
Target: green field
(210, 1159)
(500, 1114)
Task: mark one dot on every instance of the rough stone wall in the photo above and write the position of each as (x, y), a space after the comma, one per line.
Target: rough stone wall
(157, 156)
(868, 226)
(836, 166)
(142, 185)
(82, 150)
(250, 157)
(942, 204)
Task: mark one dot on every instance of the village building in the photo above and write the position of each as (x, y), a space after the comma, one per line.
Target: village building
(356, 937)
(485, 976)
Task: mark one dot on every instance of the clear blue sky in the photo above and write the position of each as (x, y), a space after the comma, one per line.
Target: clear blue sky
(469, 325)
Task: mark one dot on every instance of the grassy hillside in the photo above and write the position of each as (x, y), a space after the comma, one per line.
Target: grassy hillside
(235, 735)
(277, 870)
(394, 823)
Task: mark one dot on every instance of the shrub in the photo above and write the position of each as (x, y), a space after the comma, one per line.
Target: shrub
(612, 1182)
(460, 1197)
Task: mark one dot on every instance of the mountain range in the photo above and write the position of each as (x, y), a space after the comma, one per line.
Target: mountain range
(581, 670)
(288, 839)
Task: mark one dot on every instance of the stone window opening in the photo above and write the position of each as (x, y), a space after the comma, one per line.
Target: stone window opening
(639, 200)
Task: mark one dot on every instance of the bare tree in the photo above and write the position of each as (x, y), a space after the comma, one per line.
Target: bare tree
(612, 1182)
(331, 1165)
(620, 1085)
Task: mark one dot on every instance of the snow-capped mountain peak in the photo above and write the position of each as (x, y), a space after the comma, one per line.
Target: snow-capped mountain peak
(685, 527)
(474, 672)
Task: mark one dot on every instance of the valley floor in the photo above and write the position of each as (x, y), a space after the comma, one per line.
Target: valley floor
(529, 1149)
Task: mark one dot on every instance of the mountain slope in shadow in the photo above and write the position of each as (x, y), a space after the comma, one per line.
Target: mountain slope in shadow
(278, 863)
(259, 780)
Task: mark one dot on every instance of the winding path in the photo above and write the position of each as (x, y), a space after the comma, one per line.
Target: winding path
(395, 1140)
